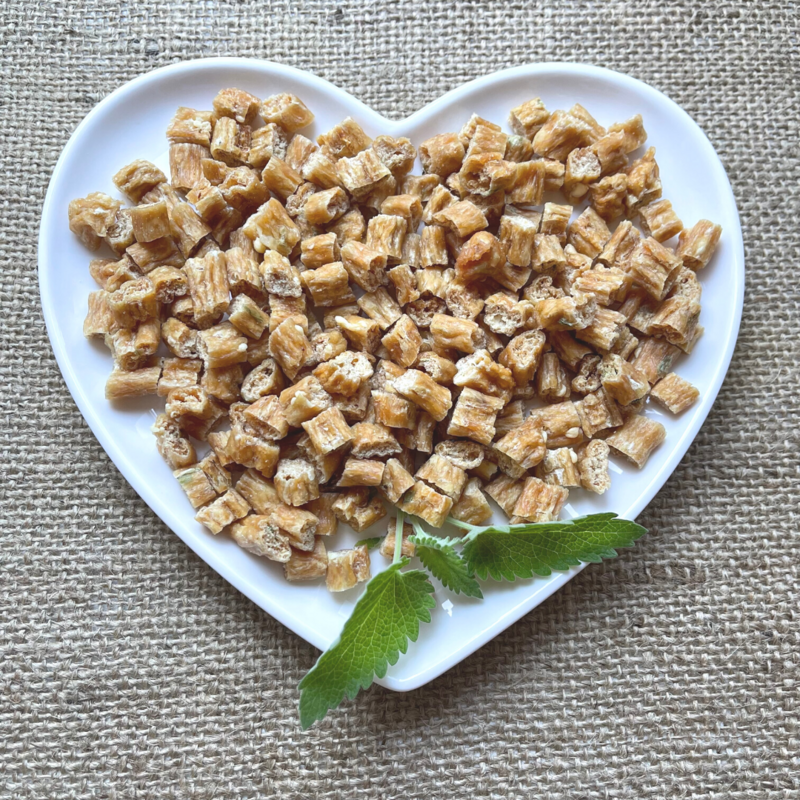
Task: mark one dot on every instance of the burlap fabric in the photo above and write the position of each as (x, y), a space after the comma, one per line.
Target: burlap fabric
(128, 668)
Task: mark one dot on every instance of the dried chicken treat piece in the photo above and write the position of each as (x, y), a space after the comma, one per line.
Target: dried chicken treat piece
(582, 168)
(196, 485)
(588, 234)
(637, 439)
(323, 208)
(443, 475)
(461, 453)
(598, 412)
(397, 480)
(472, 506)
(587, 379)
(604, 331)
(266, 416)
(505, 491)
(504, 314)
(289, 346)
(561, 134)
(207, 280)
(299, 151)
(345, 374)
(258, 350)
(607, 196)
(359, 508)
(385, 372)
(280, 178)
(221, 346)
(271, 228)
(455, 333)
(280, 276)
(381, 307)
(593, 466)
(320, 169)
(132, 348)
(372, 440)
(230, 141)
(524, 445)
(441, 369)
(517, 235)
(185, 165)
(479, 371)
(394, 411)
(386, 234)
(218, 442)
(328, 431)
(403, 341)
(345, 140)
(134, 301)
(555, 220)
(139, 177)
(296, 481)
(426, 503)
(361, 472)
(463, 300)
(179, 338)
(559, 468)
(322, 508)
(319, 250)
(425, 392)
(271, 140)
(626, 345)
(356, 407)
(442, 154)
(411, 250)
(606, 285)
(300, 524)
(527, 184)
(325, 466)
(481, 257)
(188, 228)
(644, 183)
(522, 354)
(547, 253)
(518, 149)
(485, 173)
(174, 446)
(247, 316)
(303, 566)
(223, 511)
(326, 346)
(474, 416)
(122, 384)
(107, 270)
(223, 383)
(364, 175)
(528, 118)
(178, 373)
(407, 548)
(257, 534)
(654, 267)
(510, 418)
(463, 218)
(91, 218)
(364, 265)
(560, 422)
(191, 126)
(361, 333)
(243, 274)
(99, 319)
(552, 384)
(696, 245)
(621, 380)
(539, 501)
(470, 127)
(569, 350)
(346, 568)
(674, 393)
(433, 246)
(422, 186)
(286, 110)
(440, 199)
(328, 286)
(303, 401)
(659, 220)
(485, 471)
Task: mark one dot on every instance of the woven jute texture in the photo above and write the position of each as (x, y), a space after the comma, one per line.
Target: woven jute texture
(128, 668)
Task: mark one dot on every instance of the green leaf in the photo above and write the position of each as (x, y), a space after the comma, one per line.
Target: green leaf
(369, 543)
(538, 549)
(442, 561)
(384, 619)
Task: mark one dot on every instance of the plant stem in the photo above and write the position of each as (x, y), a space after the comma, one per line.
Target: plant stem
(459, 524)
(398, 537)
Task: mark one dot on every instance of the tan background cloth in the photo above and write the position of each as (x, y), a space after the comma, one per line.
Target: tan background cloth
(128, 668)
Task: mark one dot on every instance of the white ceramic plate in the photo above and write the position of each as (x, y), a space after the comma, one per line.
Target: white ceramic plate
(130, 124)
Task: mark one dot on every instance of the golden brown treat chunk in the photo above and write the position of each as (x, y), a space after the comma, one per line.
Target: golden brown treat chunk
(517, 235)
(403, 341)
(304, 400)
(230, 141)
(258, 535)
(178, 373)
(358, 508)
(259, 492)
(509, 419)
(425, 392)
(329, 285)
(345, 139)
(397, 480)
(264, 380)
(328, 431)
(605, 329)
(622, 380)
(179, 338)
(122, 384)
(286, 110)
(207, 280)
(463, 218)
(362, 334)
(223, 511)
(474, 416)
(224, 383)
(559, 467)
(479, 371)
(528, 118)
(381, 307)
(191, 126)
(344, 374)
(472, 507)
(296, 481)
(364, 174)
(319, 250)
(138, 178)
(525, 445)
(365, 265)
(593, 466)
(405, 284)
(443, 475)
(442, 154)
(560, 422)
(247, 316)
(552, 384)
(236, 103)
(346, 568)
(361, 472)
(598, 412)
(427, 504)
(267, 417)
(373, 440)
(299, 524)
(697, 244)
(289, 346)
(540, 502)
(394, 411)
(588, 234)
(654, 267)
(674, 393)
(637, 439)
(660, 221)
(322, 508)
(91, 218)
(386, 234)
(454, 333)
(307, 566)
(221, 346)
(271, 228)
(407, 549)
(505, 491)
(522, 355)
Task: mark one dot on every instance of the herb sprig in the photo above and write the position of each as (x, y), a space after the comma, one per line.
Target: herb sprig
(388, 614)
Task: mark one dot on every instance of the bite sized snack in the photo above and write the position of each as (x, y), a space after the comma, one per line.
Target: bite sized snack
(350, 334)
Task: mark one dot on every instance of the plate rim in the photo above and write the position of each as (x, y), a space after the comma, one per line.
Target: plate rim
(280, 612)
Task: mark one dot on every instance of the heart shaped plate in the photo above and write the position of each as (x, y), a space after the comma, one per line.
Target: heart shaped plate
(131, 122)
